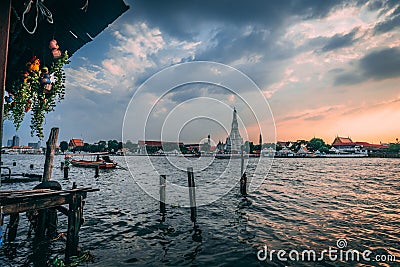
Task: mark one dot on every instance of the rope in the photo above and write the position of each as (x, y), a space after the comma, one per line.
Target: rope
(58, 237)
(85, 7)
(39, 7)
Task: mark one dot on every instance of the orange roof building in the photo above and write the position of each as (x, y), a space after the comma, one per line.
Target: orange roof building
(75, 143)
(346, 142)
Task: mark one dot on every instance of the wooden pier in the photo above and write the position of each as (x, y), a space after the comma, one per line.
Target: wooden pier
(14, 202)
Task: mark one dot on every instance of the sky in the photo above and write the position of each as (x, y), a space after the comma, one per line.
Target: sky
(325, 68)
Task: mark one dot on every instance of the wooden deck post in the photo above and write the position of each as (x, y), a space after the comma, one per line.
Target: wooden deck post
(192, 194)
(162, 193)
(50, 152)
(5, 14)
(13, 228)
(74, 222)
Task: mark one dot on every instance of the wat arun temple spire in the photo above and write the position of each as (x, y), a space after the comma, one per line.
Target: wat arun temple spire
(234, 141)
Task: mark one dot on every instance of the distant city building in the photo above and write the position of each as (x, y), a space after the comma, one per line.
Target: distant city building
(34, 145)
(234, 141)
(9, 143)
(15, 141)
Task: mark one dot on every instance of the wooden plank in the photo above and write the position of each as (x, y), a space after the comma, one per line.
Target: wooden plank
(25, 206)
(84, 189)
(22, 191)
(42, 192)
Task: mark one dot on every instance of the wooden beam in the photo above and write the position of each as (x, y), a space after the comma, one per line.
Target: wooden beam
(5, 14)
(29, 205)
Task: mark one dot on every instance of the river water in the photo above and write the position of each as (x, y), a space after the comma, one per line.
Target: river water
(303, 204)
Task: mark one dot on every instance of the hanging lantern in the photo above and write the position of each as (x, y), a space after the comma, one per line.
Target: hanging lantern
(55, 48)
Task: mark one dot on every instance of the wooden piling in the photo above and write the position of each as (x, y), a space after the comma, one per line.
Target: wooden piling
(13, 227)
(96, 172)
(163, 184)
(14, 163)
(243, 185)
(50, 152)
(62, 165)
(42, 199)
(31, 166)
(241, 161)
(192, 194)
(66, 170)
(74, 223)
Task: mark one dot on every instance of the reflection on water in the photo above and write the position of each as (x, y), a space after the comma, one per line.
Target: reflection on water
(303, 204)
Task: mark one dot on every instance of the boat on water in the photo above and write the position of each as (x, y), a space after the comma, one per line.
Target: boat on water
(102, 161)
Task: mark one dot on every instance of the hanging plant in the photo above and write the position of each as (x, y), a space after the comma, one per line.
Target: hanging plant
(37, 91)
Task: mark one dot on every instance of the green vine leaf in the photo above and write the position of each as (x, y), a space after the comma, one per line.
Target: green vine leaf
(31, 94)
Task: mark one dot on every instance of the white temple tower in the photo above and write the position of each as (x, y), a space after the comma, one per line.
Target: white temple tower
(234, 141)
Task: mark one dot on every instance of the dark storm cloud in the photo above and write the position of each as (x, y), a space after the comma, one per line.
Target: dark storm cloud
(387, 25)
(336, 70)
(182, 18)
(348, 79)
(375, 5)
(391, 21)
(381, 64)
(340, 41)
(377, 65)
(183, 93)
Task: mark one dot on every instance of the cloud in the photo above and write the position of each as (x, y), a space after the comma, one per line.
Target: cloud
(340, 41)
(174, 16)
(381, 64)
(387, 25)
(348, 79)
(298, 51)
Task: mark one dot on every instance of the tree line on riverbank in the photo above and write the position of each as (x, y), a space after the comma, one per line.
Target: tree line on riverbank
(312, 145)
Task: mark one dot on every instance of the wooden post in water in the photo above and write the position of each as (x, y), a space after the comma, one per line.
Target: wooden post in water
(243, 185)
(192, 194)
(243, 177)
(96, 172)
(66, 169)
(50, 152)
(62, 165)
(241, 161)
(74, 222)
(163, 184)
